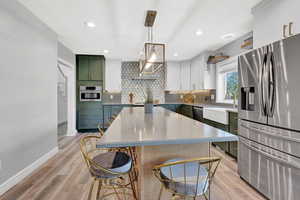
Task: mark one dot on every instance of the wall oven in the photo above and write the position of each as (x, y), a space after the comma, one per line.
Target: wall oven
(90, 93)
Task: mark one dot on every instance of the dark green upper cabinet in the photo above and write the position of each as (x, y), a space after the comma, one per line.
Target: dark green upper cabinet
(90, 68)
(95, 68)
(83, 68)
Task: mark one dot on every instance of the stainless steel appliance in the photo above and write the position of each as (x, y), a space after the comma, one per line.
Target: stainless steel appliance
(198, 113)
(90, 93)
(269, 119)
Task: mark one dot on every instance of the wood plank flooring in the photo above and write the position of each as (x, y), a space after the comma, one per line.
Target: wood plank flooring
(65, 177)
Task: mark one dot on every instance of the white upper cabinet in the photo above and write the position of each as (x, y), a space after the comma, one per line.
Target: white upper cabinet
(197, 73)
(185, 74)
(113, 75)
(269, 18)
(173, 76)
(192, 74)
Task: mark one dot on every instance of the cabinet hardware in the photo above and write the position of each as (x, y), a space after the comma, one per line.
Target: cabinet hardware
(290, 29)
(284, 31)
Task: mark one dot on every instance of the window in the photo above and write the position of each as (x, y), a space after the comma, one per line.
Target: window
(231, 84)
(227, 82)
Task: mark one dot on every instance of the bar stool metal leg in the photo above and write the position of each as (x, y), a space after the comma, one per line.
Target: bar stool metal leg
(133, 188)
(91, 188)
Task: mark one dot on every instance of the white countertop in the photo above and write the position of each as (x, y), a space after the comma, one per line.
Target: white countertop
(133, 127)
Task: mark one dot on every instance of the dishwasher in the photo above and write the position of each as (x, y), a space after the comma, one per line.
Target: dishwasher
(198, 113)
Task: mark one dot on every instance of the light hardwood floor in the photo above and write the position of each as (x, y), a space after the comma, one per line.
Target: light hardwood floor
(65, 177)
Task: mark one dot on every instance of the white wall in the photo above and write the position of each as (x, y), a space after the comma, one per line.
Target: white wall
(66, 54)
(28, 103)
(62, 98)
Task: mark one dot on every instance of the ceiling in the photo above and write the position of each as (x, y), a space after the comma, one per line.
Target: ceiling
(120, 24)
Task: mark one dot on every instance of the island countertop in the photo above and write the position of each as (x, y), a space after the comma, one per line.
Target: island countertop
(134, 127)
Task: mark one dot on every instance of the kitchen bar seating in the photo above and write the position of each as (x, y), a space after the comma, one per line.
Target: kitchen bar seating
(187, 178)
(112, 170)
(129, 150)
(101, 132)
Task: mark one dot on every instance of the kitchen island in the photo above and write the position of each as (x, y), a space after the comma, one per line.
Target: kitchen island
(160, 136)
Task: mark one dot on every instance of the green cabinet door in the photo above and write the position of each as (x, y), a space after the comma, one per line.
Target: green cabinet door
(233, 128)
(106, 115)
(95, 68)
(185, 110)
(83, 68)
(223, 145)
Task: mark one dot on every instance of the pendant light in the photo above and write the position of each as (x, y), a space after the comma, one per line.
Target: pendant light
(154, 53)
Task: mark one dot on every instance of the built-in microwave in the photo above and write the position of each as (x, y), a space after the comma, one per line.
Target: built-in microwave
(90, 93)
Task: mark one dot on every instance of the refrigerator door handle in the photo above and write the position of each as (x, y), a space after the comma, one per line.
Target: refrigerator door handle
(272, 156)
(263, 85)
(271, 85)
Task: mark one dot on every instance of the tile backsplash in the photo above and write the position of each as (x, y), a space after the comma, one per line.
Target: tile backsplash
(202, 97)
(108, 97)
(129, 71)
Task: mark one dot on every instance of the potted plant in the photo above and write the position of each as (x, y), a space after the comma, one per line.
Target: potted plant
(149, 101)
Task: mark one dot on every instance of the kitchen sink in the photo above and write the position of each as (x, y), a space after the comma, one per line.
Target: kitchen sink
(219, 115)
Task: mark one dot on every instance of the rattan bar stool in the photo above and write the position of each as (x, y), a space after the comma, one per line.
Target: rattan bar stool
(129, 150)
(111, 169)
(187, 178)
(100, 130)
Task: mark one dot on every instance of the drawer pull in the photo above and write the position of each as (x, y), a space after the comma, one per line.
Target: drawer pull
(272, 134)
(278, 158)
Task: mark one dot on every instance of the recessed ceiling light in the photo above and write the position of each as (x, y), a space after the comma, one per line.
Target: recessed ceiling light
(199, 32)
(90, 24)
(228, 36)
(105, 51)
(175, 54)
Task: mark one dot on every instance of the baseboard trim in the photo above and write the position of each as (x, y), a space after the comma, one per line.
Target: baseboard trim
(11, 182)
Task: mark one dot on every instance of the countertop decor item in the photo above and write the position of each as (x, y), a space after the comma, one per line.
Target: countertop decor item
(130, 97)
(149, 101)
(188, 98)
(248, 43)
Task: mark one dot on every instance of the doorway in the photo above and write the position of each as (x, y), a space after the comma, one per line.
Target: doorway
(66, 97)
(62, 103)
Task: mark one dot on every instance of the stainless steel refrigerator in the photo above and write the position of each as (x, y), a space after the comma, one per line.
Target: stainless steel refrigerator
(269, 119)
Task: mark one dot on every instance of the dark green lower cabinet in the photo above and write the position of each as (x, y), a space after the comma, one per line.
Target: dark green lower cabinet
(222, 145)
(185, 110)
(89, 115)
(229, 147)
(108, 112)
(233, 149)
(171, 107)
(233, 128)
